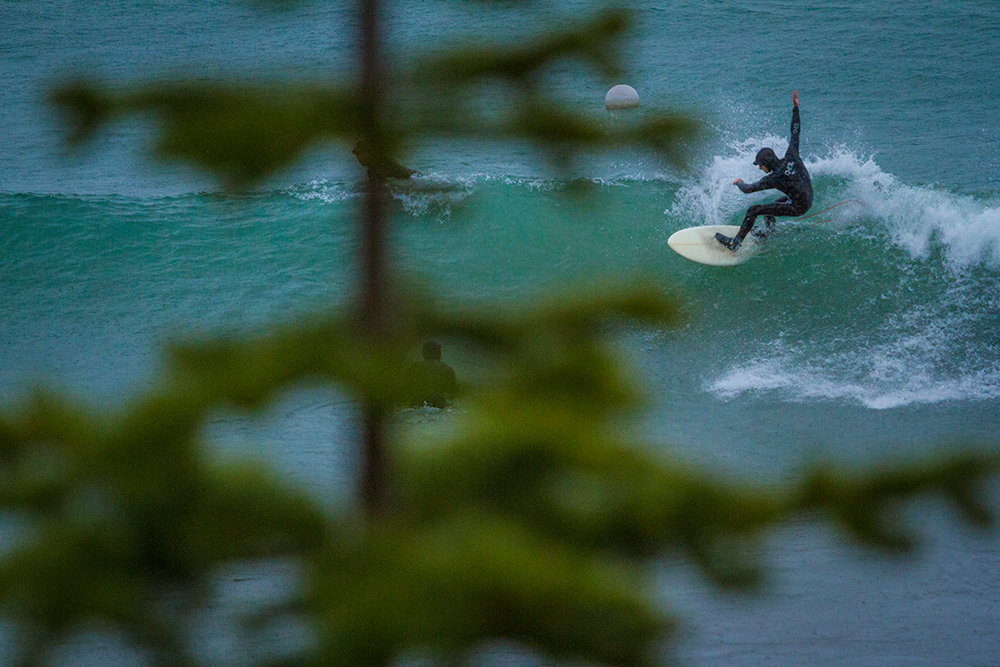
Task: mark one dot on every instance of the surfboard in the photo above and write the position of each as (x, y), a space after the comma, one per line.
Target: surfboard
(700, 245)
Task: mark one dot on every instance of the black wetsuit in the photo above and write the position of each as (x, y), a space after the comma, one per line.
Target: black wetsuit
(787, 175)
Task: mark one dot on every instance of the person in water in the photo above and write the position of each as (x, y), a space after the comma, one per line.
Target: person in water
(787, 175)
(384, 167)
(433, 380)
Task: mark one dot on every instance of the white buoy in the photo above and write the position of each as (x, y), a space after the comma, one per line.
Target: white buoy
(621, 97)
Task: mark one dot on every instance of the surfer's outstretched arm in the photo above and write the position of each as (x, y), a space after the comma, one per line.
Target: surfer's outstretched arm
(747, 188)
(793, 142)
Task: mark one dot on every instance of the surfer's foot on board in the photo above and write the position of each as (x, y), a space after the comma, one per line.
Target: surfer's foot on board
(731, 243)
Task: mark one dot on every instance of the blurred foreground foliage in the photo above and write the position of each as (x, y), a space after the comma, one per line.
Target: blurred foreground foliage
(243, 133)
(535, 522)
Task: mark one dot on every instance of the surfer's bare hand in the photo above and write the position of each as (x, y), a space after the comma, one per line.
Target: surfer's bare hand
(795, 98)
(737, 181)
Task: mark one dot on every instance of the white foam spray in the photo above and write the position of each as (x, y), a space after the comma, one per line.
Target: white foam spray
(921, 219)
(931, 349)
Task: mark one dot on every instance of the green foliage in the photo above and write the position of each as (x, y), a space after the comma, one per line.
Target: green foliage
(445, 589)
(534, 523)
(592, 42)
(243, 134)
(119, 514)
(240, 133)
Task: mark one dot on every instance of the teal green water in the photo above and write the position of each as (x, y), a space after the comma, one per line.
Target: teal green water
(862, 333)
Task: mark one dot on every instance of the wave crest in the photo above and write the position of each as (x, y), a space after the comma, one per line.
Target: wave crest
(921, 219)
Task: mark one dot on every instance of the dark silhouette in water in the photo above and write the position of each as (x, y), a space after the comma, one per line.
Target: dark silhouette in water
(382, 166)
(433, 380)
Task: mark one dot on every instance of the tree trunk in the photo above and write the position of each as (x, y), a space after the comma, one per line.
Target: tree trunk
(373, 313)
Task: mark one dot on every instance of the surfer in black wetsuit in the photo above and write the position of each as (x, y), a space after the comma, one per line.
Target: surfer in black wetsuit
(787, 175)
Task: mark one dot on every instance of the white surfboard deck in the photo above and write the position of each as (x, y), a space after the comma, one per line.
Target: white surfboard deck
(700, 245)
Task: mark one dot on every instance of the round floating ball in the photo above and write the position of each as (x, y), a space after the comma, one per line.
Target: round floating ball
(621, 97)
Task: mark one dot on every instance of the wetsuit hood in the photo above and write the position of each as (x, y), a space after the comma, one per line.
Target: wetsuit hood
(767, 159)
